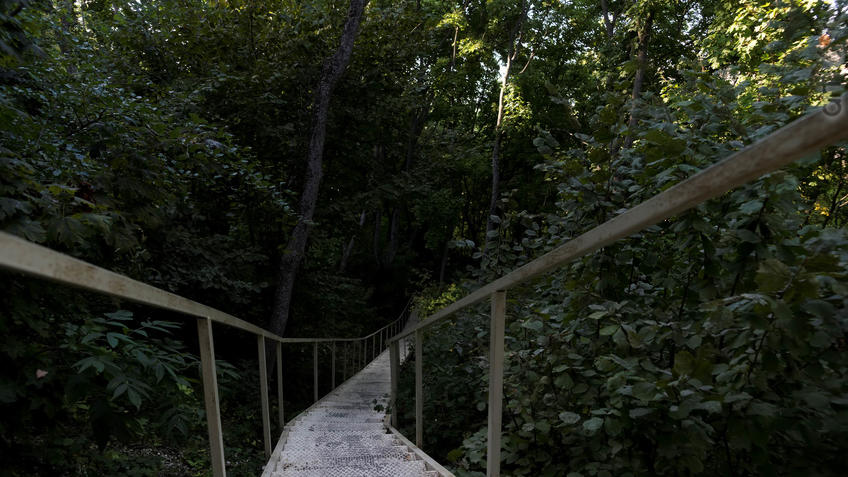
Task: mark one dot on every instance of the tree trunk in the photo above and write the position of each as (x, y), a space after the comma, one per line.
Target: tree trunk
(392, 246)
(609, 25)
(378, 228)
(349, 248)
(444, 263)
(68, 20)
(834, 205)
(514, 43)
(416, 127)
(331, 71)
(639, 79)
(453, 52)
(496, 152)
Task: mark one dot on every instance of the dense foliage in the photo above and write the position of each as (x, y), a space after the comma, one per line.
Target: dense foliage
(165, 139)
(711, 344)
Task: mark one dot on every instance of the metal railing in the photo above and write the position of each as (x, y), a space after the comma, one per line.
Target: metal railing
(19, 255)
(804, 136)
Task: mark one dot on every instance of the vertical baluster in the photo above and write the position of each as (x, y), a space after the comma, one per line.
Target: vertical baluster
(315, 370)
(394, 360)
(496, 366)
(210, 396)
(373, 347)
(345, 353)
(333, 373)
(263, 392)
(280, 414)
(419, 388)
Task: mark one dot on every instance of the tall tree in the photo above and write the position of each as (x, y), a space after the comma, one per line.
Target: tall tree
(514, 45)
(643, 36)
(332, 70)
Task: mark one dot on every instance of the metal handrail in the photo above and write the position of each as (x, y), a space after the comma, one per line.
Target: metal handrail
(25, 257)
(804, 136)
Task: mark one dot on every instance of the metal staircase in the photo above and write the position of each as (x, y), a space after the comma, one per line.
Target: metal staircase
(347, 433)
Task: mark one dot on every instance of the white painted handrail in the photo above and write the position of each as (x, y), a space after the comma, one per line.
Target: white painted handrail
(802, 137)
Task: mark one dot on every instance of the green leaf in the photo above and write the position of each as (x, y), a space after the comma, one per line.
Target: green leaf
(608, 330)
(120, 389)
(731, 398)
(772, 276)
(563, 381)
(762, 409)
(592, 425)
(751, 207)
(816, 400)
(90, 362)
(598, 315)
(712, 407)
(569, 418)
(134, 397)
(112, 339)
(820, 339)
(620, 337)
(746, 235)
(819, 308)
(644, 391)
(640, 411)
(120, 315)
(694, 342)
(684, 363)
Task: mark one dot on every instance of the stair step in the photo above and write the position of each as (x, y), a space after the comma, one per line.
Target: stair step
(395, 469)
(344, 435)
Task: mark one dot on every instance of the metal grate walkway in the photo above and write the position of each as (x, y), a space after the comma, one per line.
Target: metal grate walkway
(344, 434)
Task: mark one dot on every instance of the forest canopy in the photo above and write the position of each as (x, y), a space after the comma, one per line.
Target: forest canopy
(173, 141)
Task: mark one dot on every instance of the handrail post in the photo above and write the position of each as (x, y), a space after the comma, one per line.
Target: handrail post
(381, 339)
(315, 370)
(280, 415)
(419, 388)
(263, 392)
(333, 373)
(373, 347)
(394, 362)
(364, 351)
(496, 367)
(345, 356)
(210, 396)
